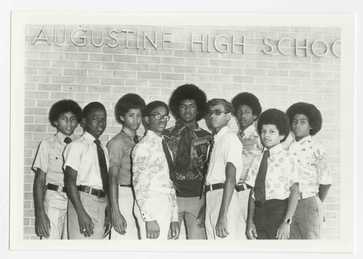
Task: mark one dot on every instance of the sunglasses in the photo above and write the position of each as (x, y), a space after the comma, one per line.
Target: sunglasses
(158, 116)
(216, 112)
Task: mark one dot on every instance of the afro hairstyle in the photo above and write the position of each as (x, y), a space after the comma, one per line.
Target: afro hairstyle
(310, 111)
(188, 92)
(153, 105)
(126, 103)
(64, 106)
(91, 107)
(277, 118)
(247, 99)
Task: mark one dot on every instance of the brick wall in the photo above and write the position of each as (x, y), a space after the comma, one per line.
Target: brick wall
(97, 72)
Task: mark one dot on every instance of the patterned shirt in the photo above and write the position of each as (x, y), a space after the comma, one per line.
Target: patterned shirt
(188, 180)
(49, 158)
(227, 148)
(252, 147)
(81, 155)
(119, 149)
(281, 173)
(312, 165)
(151, 175)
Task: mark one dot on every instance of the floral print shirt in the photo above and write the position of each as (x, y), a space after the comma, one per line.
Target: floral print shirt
(312, 165)
(281, 173)
(151, 176)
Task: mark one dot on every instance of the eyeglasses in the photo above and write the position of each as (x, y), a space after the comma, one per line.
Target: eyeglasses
(158, 116)
(216, 112)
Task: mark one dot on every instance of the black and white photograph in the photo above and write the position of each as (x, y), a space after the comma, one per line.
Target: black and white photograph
(187, 130)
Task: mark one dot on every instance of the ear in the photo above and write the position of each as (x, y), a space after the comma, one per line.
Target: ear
(281, 137)
(55, 123)
(83, 123)
(254, 117)
(147, 120)
(122, 118)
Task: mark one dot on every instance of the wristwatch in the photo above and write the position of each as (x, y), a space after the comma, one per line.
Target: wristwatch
(288, 221)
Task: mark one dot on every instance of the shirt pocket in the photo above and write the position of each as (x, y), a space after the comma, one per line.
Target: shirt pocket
(55, 159)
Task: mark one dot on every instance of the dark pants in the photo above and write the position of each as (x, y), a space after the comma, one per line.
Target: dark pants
(268, 217)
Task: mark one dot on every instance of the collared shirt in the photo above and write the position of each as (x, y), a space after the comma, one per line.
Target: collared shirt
(227, 148)
(151, 175)
(81, 156)
(252, 147)
(312, 165)
(188, 182)
(49, 158)
(119, 149)
(281, 173)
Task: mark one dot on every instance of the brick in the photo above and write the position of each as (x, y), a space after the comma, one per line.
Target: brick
(37, 63)
(76, 56)
(75, 72)
(124, 58)
(172, 76)
(172, 60)
(111, 81)
(49, 87)
(88, 65)
(148, 59)
(125, 74)
(148, 75)
(113, 66)
(100, 57)
(184, 69)
(62, 79)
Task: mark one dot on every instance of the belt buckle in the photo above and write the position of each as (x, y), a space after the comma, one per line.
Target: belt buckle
(59, 188)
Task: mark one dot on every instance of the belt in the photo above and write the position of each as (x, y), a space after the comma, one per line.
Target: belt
(242, 187)
(92, 191)
(57, 188)
(212, 187)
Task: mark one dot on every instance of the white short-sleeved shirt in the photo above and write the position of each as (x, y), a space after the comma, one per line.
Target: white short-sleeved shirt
(81, 156)
(227, 148)
(49, 158)
(281, 173)
(312, 164)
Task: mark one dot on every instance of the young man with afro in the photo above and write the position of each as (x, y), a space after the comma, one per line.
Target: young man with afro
(189, 144)
(274, 178)
(314, 175)
(247, 109)
(50, 198)
(128, 112)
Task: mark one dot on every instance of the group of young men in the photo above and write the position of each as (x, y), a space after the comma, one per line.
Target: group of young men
(217, 184)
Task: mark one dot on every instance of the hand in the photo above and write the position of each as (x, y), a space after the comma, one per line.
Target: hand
(251, 231)
(201, 217)
(221, 227)
(152, 229)
(118, 222)
(283, 232)
(85, 224)
(174, 230)
(42, 225)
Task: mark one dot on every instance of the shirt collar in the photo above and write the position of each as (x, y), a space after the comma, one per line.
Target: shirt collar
(304, 140)
(275, 149)
(180, 125)
(153, 135)
(250, 130)
(88, 137)
(221, 132)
